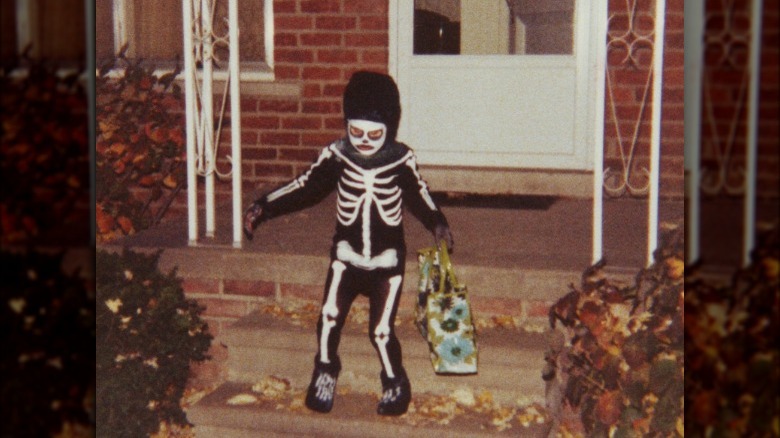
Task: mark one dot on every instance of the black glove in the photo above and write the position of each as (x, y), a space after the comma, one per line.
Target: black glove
(442, 232)
(252, 218)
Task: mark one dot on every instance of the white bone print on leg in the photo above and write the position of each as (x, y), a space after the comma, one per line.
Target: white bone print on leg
(382, 330)
(329, 310)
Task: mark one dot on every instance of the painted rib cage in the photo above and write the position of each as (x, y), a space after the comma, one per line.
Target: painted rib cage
(359, 189)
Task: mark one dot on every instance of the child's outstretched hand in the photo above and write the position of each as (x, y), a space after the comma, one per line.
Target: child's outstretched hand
(252, 218)
(442, 232)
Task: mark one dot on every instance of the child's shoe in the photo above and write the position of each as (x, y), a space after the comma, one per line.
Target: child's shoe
(396, 395)
(322, 388)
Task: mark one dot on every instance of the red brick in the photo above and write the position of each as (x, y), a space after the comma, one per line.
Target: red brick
(293, 22)
(285, 7)
(253, 288)
(312, 90)
(260, 122)
(287, 71)
(224, 308)
(333, 90)
(294, 55)
(340, 56)
(302, 123)
(247, 170)
(367, 39)
(321, 39)
(291, 290)
(321, 139)
(373, 23)
(260, 153)
(336, 23)
(304, 154)
(273, 170)
(334, 122)
(286, 40)
(377, 57)
(321, 73)
(200, 285)
(248, 104)
(247, 137)
(320, 6)
(278, 106)
(377, 7)
(279, 138)
(322, 107)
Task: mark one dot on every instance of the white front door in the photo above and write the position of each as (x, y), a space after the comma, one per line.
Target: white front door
(512, 83)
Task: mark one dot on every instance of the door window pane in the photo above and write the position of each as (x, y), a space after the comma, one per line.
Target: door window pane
(493, 27)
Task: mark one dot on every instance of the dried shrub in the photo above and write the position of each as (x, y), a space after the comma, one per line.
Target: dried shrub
(44, 159)
(622, 363)
(731, 354)
(140, 147)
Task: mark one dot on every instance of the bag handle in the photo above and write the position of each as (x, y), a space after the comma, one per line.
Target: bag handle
(445, 267)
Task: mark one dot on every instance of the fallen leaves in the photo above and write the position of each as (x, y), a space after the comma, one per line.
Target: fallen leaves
(272, 387)
(242, 399)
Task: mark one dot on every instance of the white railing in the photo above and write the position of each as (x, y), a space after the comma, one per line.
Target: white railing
(200, 43)
(617, 183)
(699, 115)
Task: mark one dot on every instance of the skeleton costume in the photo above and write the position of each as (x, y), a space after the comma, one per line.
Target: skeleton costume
(375, 177)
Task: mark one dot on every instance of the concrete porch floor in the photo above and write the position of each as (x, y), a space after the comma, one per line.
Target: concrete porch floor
(532, 232)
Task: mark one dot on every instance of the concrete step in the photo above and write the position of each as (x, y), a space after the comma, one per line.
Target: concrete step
(260, 344)
(354, 415)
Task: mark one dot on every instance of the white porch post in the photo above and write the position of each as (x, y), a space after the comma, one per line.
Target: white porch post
(207, 112)
(190, 111)
(752, 132)
(235, 122)
(655, 133)
(694, 38)
(600, 43)
(203, 140)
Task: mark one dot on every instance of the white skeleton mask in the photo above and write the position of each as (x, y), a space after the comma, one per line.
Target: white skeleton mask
(366, 136)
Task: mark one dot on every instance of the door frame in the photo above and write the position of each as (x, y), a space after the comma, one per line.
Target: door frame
(564, 178)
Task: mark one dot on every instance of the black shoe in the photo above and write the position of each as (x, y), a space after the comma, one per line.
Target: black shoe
(396, 395)
(322, 388)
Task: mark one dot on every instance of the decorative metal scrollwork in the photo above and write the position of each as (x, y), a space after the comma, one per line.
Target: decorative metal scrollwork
(726, 45)
(631, 32)
(206, 44)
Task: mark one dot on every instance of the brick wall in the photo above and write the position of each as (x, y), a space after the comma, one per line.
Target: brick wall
(318, 44)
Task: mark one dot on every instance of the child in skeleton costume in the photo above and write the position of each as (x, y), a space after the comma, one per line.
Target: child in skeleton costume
(375, 177)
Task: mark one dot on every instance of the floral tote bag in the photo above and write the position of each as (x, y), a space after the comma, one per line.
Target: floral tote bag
(443, 314)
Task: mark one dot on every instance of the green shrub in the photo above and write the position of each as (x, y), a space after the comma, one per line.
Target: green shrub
(622, 366)
(148, 334)
(47, 366)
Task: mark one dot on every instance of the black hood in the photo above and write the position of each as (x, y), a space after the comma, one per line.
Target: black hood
(373, 96)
